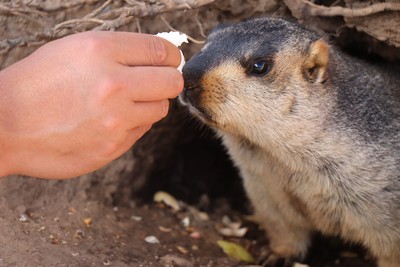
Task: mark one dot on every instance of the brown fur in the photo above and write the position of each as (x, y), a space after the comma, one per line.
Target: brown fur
(309, 162)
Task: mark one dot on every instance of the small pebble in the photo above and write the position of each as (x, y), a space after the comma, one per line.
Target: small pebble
(71, 211)
(151, 239)
(106, 262)
(195, 235)
(23, 218)
(234, 232)
(186, 222)
(136, 218)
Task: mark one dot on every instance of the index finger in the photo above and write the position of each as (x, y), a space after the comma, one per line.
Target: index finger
(137, 49)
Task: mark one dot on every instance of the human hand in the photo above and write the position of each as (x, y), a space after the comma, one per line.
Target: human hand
(79, 102)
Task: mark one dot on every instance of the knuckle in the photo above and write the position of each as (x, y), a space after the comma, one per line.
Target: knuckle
(157, 51)
(93, 43)
(109, 149)
(107, 86)
(111, 125)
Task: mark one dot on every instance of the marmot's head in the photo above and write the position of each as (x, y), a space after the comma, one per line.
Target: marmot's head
(259, 73)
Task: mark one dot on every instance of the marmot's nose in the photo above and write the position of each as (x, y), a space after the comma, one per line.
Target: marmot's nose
(194, 70)
(192, 75)
(191, 91)
(190, 83)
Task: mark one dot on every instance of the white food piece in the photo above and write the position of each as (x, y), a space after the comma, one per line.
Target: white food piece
(177, 39)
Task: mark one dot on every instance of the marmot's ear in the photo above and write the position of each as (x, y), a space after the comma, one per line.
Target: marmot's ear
(316, 63)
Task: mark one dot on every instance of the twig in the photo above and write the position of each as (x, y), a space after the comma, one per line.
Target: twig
(197, 20)
(98, 10)
(139, 28)
(304, 8)
(68, 23)
(23, 12)
(9, 10)
(175, 30)
(50, 6)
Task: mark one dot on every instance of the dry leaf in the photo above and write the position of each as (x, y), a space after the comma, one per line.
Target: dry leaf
(166, 198)
(235, 251)
(87, 221)
(182, 250)
(296, 264)
(164, 229)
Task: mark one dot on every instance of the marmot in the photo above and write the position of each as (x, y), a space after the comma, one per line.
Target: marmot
(314, 133)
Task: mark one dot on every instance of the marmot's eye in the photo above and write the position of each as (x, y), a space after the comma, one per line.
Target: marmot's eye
(260, 67)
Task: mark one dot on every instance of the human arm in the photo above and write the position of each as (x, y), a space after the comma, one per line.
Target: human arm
(79, 102)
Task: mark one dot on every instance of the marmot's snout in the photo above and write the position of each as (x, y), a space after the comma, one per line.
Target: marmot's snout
(192, 75)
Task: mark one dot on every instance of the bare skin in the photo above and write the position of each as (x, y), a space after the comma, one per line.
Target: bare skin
(79, 102)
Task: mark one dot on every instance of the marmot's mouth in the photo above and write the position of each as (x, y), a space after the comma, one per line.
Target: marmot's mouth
(191, 99)
(191, 95)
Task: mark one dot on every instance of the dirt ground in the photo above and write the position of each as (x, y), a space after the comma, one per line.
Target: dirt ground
(68, 227)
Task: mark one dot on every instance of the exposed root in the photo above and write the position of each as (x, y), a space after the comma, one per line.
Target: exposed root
(108, 15)
(305, 8)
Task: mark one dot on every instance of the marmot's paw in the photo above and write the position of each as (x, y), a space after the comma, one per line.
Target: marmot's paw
(269, 259)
